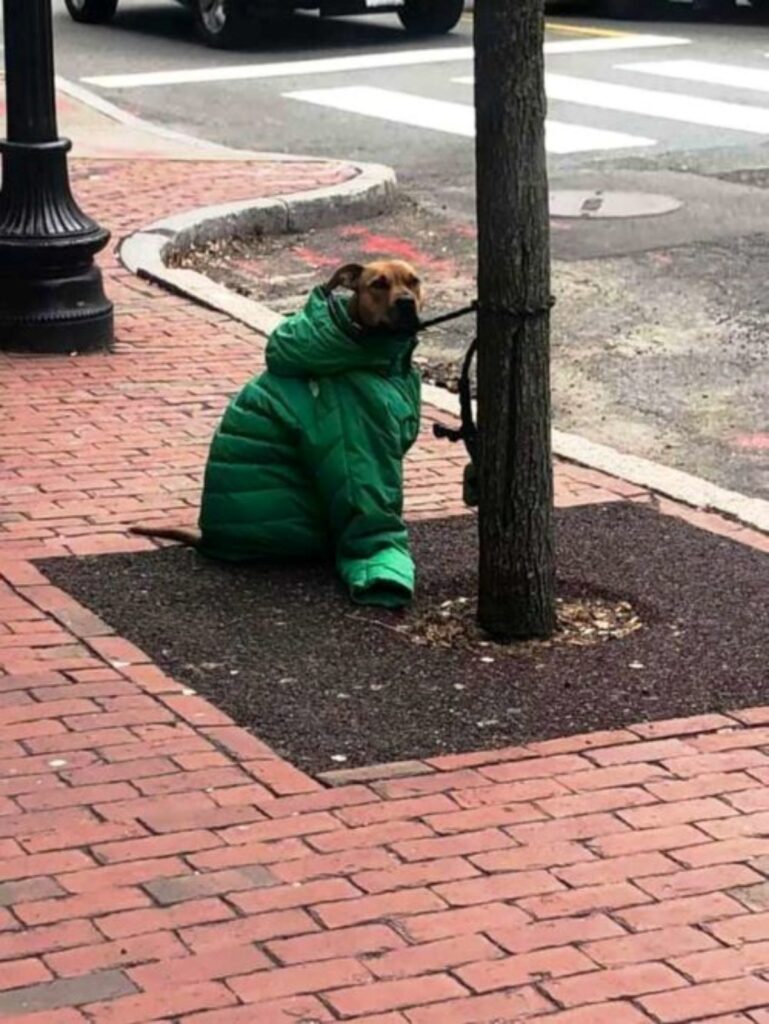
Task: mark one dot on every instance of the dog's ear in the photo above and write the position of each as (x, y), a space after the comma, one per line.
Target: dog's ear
(347, 276)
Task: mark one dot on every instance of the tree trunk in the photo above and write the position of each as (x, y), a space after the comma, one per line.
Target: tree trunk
(517, 564)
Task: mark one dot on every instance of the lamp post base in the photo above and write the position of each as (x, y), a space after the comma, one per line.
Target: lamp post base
(62, 312)
(51, 293)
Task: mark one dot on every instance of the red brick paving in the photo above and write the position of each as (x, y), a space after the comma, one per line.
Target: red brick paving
(614, 878)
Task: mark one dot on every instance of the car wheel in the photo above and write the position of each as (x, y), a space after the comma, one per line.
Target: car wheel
(91, 12)
(430, 17)
(222, 24)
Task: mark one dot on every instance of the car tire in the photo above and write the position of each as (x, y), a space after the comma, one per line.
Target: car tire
(430, 17)
(222, 24)
(91, 12)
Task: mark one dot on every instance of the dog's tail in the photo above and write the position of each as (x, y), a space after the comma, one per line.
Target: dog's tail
(184, 535)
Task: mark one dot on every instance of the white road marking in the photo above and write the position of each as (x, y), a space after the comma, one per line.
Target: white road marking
(455, 118)
(401, 107)
(357, 62)
(630, 42)
(733, 75)
(285, 69)
(669, 106)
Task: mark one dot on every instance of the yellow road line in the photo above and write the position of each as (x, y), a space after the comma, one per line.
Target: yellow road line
(583, 30)
(577, 30)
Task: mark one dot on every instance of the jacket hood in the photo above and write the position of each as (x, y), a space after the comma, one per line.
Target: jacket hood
(322, 340)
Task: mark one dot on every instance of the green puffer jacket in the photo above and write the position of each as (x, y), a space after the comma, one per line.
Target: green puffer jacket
(307, 461)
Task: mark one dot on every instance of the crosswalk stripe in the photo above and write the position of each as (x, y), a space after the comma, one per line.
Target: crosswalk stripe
(562, 138)
(756, 79)
(358, 62)
(401, 107)
(456, 118)
(287, 69)
(670, 106)
(628, 42)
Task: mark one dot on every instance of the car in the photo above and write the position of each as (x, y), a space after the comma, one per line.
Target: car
(226, 23)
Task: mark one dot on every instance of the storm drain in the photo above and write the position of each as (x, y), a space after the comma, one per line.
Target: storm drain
(598, 205)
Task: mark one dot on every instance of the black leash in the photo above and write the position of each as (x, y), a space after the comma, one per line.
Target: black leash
(453, 315)
(468, 430)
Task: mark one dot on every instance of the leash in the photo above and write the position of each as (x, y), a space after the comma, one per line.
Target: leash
(468, 431)
(453, 315)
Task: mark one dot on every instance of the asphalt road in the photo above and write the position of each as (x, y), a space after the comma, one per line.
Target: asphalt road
(660, 335)
(150, 36)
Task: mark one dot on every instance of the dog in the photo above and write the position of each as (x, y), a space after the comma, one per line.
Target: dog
(377, 323)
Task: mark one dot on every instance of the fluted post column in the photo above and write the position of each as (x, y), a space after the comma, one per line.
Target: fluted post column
(51, 293)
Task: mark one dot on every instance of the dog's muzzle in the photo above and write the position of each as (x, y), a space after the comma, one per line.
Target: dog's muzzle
(405, 315)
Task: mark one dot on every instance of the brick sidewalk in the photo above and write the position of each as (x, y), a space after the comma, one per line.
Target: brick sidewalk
(157, 863)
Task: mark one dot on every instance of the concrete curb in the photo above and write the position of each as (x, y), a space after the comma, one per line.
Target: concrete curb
(670, 483)
(91, 99)
(371, 192)
(197, 148)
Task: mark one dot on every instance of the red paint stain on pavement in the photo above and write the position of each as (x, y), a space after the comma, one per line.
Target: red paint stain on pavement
(753, 442)
(392, 247)
(314, 258)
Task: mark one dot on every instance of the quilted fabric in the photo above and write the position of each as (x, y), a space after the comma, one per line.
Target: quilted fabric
(307, 460)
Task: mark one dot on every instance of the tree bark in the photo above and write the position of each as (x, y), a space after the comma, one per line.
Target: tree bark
(517, 563)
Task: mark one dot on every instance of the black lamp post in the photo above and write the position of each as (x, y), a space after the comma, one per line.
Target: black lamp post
(51, 293)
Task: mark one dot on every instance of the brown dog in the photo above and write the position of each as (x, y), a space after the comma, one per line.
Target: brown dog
(387, 294)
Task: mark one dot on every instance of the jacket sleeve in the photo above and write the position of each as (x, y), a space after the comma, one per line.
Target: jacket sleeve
(355, 452)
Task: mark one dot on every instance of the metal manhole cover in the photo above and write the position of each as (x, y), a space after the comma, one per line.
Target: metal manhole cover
(599, 205)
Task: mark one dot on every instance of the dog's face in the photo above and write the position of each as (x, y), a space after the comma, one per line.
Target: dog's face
(387, 293)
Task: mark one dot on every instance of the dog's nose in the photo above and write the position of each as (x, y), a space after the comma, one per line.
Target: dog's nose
(406, 314)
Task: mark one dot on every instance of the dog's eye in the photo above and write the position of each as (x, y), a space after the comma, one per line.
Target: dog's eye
(413, 282)
(380, 282)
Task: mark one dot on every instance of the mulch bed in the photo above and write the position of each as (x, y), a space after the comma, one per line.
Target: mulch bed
(328, 685)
